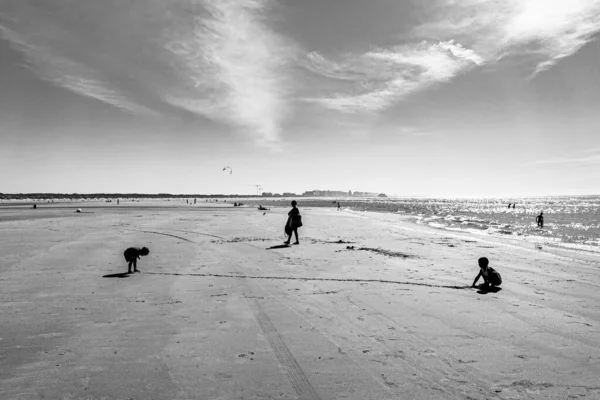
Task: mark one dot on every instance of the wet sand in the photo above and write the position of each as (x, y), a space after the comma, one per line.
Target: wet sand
(216, 314)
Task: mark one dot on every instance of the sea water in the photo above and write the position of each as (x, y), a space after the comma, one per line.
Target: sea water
(569, 221)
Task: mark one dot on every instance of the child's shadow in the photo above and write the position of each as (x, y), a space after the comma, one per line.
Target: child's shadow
(279, 246)
(119, 275)
(491, 289)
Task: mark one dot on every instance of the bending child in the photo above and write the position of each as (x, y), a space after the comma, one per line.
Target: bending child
(132, 254)
(490, 276)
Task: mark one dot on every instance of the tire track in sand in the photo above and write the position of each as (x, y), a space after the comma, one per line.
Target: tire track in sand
(295, 373)
(297, 377)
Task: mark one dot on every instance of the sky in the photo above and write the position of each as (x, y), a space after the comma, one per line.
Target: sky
(406, 97)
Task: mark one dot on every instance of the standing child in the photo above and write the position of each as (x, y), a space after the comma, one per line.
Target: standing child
(132, 254)
(490, 276)
(293, 223)
(540, 220)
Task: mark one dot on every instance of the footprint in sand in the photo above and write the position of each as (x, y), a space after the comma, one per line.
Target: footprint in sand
(523, 357)
(247, 356)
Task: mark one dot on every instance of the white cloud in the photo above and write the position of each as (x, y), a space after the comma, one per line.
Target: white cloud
(236, 68)
(387, 75)
(547, 29)
(462, 35)
(68, 74)
(318, 64)
(218, 59)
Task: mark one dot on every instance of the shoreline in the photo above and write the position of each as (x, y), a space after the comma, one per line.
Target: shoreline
(44, 210)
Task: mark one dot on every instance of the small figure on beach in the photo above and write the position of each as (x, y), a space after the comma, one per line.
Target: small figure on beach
(514, 205)
(540, 220)
(339, 207)
(293, 223)
(261, 208)
(35, 206)
(132, 254)
(117, 201)
(509, 205)
(490, 276)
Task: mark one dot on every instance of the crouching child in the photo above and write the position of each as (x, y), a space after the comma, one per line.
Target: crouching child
(132, 254)
(490, 276)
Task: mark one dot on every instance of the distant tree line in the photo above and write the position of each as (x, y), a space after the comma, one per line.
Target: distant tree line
(82, 196)
(87, 196)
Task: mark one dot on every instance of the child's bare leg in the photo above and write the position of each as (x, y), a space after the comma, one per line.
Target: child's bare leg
(129, 267)
(135, 265)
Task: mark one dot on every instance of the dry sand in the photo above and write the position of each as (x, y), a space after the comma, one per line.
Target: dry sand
(215, 315)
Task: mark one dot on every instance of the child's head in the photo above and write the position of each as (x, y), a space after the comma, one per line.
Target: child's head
(483, 262)
(144, 251)
(294, 203)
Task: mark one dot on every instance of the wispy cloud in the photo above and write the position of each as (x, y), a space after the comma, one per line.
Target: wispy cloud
(384, 76)
(460, 36)
(236, 67)
(547, 30)
(588, 160)
(218, 59)
(223, 60)
(67, 73)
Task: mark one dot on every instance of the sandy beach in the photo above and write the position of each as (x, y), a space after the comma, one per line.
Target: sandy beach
(368, 306)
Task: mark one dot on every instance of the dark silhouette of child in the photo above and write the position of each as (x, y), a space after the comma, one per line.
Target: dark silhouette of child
(540, 220)
(490, 276)
(132, 254)
(293, 223)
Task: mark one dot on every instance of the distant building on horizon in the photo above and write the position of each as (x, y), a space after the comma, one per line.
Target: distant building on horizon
(326, 193)
(339, 193)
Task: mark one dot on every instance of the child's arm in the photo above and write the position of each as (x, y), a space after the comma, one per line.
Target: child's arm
(476, 279)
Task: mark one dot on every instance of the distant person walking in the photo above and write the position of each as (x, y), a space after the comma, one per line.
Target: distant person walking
(293, 223)
(540, 220)
(514, 205)
(509, 205)
(339, 207)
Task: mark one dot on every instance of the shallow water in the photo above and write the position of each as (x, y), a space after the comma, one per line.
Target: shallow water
(569, 221)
